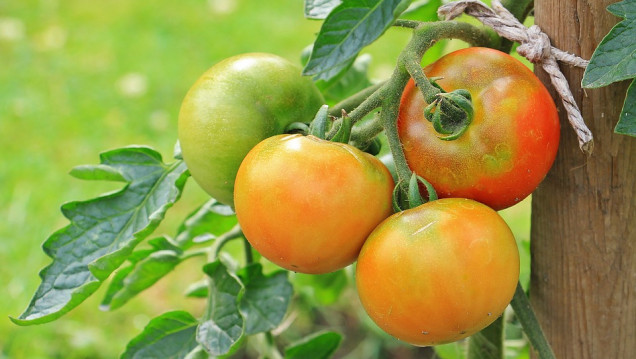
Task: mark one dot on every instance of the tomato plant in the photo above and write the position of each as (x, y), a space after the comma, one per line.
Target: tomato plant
(439, 272)
(233, 106)
(475, 123)
(507, 149)
(308, 204)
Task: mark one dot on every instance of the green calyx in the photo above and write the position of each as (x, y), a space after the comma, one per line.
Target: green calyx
(450, 113)
(406, 196)
(344, 132)
(374, 147)
(297, 127)
(318, 127)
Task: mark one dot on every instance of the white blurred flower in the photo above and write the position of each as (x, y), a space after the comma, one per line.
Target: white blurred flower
(222, 7)
(11, 29)
(52, 38)
(133, 84)
(160, 120)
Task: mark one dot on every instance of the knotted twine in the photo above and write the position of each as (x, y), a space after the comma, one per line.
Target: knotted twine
(535, 46)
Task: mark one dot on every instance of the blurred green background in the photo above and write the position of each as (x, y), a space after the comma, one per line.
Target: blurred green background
(80, 77)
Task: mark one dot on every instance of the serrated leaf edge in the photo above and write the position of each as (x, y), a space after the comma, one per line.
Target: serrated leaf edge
(89, 287)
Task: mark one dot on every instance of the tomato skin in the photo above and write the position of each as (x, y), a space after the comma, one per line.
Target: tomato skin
(233, 106)
(508, 148)
(308, 204)
(439, 272)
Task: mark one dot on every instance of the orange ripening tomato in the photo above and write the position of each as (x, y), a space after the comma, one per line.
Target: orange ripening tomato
(507, 149)
(439, 272)
(308, 204)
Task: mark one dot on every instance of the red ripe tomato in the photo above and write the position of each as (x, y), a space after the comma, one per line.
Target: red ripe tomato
(508, 148)
(308, 204)
(439, 272)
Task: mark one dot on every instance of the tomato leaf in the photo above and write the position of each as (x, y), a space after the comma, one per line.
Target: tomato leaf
(320, 345)
(346, 83)
(627, 122)
(134, 276)
(615, 57)
(97, 172)
(197, 289)
(205, 224)
(170, 335)
(321, 289)
(348, 28)
(426, 10)
(103, 231)
(422, 10)
(319, 9)
(453, 350)
(265, 300)
(615, 60)
(149, 266)
(355, 79)
(139, 276)
(222, 325)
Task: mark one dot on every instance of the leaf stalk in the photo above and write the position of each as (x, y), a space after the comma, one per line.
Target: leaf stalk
(222, 240)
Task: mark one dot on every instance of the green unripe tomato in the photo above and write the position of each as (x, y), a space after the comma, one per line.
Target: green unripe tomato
(233, 106)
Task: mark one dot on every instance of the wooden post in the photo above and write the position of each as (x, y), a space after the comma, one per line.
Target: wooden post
(583, 283)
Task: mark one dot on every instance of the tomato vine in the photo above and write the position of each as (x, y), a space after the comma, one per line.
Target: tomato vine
(387, 96)
(244, 299)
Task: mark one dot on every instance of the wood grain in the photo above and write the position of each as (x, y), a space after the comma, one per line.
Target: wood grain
(583, 283)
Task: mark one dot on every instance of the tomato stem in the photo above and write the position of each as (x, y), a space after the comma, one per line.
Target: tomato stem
(371, 102)
(531, 326)
(272, 351)
(194, 253)
(249, 256)
(222, 240)
(365, 133)
(351, 103)
(411, 24)
(388, 95)
(425, 35)
(388, 116)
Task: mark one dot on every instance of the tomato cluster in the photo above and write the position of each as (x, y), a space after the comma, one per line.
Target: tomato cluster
(432, 274)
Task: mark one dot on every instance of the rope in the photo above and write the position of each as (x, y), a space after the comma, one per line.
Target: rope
(535, 46)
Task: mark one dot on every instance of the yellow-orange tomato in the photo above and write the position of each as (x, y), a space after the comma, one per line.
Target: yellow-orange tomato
(308, 204)
(507, 149)
(439, 272)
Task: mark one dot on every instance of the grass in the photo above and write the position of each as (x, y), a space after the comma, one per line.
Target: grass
(78, 79)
